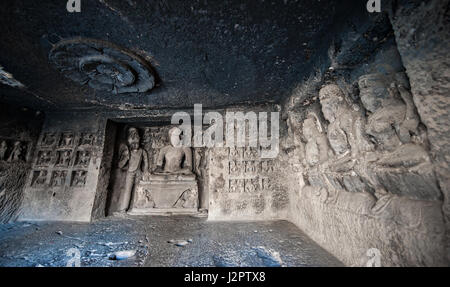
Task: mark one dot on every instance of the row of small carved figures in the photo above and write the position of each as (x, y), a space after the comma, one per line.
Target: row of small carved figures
(13, 152)
(250, 185)
(251, 166)
(67, 139)
(63, 158)
(244, 152)
(58, 178)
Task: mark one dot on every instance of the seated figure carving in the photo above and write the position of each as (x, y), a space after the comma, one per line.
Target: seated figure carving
(316, 148)
(346, 133)
(394, 122)
(174, 159)
(172, 186)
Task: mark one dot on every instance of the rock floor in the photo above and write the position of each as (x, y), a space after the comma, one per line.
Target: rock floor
(160, 241)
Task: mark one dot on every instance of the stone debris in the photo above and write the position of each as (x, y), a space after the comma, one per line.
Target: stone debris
(269, 257)
(122, 255)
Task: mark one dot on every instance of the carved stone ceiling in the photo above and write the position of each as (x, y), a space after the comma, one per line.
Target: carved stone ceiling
(159, 53)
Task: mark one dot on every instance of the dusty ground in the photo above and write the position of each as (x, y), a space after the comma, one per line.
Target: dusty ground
(277, 243)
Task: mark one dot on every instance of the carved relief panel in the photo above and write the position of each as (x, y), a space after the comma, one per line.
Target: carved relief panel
(59, 157)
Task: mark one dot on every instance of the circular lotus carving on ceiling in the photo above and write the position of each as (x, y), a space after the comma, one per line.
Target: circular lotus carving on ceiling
(102, 65)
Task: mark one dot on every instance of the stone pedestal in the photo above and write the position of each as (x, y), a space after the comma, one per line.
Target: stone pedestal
(162, 194)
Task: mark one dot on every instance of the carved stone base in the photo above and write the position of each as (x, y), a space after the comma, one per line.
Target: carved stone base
(166, 195)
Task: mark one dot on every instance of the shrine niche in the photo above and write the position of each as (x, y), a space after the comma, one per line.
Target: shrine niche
(153, 174)
(39, 178)
(79, 178)
(67, 140)
(83, 158)
(13, 151)
(103, 66)
(49, 139)
(58, 178)
(171, 186)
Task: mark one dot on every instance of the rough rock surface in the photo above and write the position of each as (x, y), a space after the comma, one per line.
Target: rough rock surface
(247, 244)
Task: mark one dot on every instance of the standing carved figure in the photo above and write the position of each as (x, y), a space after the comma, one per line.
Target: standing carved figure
(316, 148)
(133, 159)
(3, 149)
(16, 153)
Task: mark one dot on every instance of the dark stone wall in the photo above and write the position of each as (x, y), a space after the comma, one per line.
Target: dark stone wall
(422, 31)
(23, 126)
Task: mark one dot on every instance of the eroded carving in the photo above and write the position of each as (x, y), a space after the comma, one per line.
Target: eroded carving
(174, 159)
(64, 158)
(44, 158)
(58, 178)
(39, 178)
(83, 158)
(17, 153)
(103, 66)
(3, 150)
(49, 139)
(67, 140)
(133, 159)
(79, 178)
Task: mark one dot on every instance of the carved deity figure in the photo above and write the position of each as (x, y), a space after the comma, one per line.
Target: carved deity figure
(84, 158)
(86, 139)
(393, 122)
(316, 148)
(188, 199)
(64, 158)
(3, 149)
(174, 158)
(346, 129)
(16, 153)
(79, 178)
(40, 179)
(67, 140)
(133, 159)
(58, 178)
(45, 157)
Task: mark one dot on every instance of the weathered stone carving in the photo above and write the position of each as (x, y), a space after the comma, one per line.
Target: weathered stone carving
(316, 148)
(174, 159)
(346, 133)
(394, 122)
(39, 178)
(3, 150)
(133, 159)
(49, 139)
(83, 158)
(64, 158)
(79, 178)
(172, 186)
(44, 158)
(86, 139)
(102, 65)
(17, 152)
(189, 199)
(58, 178)
(66, 140)
(236, 185)
(8, 79)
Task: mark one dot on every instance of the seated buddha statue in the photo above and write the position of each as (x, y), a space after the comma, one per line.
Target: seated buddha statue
(174, 159)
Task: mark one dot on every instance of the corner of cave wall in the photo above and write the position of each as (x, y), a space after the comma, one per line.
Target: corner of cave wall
(19, 131)
(365, 156)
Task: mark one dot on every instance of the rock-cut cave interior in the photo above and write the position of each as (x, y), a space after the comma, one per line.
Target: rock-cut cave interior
(230, 133)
